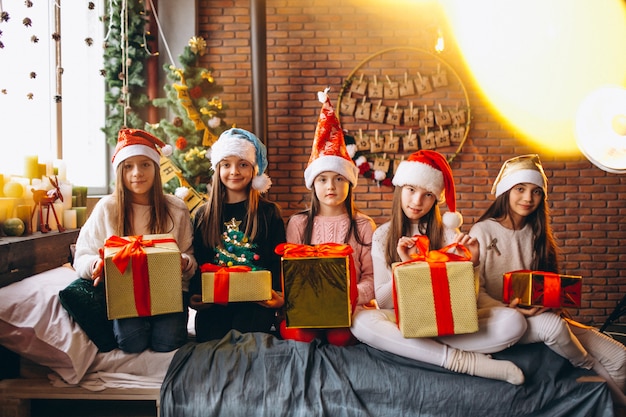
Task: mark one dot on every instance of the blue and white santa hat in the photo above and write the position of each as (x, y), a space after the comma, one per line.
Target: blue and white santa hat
(245, 145)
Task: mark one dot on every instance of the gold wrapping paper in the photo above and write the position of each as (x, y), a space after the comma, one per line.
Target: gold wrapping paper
(542, 289)
(242, 286)
(165, 280)
(317, 292)
(415, 300)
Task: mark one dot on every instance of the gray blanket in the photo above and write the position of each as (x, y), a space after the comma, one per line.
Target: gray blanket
(256, 374)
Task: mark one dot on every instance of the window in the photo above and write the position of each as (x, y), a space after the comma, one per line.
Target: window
(33, 121)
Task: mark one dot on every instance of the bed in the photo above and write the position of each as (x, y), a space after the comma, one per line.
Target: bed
(259, 375)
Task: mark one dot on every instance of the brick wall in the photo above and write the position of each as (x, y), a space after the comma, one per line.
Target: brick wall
(319, 43)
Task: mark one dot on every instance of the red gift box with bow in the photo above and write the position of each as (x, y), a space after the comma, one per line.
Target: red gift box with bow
(319, 285)
(221, 284)
(143, 276)
(542, 289)
(435, 293)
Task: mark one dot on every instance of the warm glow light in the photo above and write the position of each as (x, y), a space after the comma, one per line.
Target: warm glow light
(536, 60)
(601, 128)
(440, 45)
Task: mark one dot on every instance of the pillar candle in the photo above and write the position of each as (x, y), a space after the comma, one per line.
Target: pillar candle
(81, 196)
(23, 212)
(81, 216)
(61, 169)
(66, 192)
(31, 166)
(69, 219)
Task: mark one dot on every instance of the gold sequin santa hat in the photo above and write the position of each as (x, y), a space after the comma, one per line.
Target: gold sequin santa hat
(518, 170)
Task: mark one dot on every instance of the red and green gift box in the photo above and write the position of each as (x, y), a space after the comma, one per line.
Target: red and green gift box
(542, 289)
(319, 285)
(435, 292)
(143, 276)
(222, 285)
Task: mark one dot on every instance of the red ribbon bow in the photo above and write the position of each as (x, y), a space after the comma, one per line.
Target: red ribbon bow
(221, 279)
(311, 251)
(132, 248)
(436, 260)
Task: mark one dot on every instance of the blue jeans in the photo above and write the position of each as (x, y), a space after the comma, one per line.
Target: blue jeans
(162, 333)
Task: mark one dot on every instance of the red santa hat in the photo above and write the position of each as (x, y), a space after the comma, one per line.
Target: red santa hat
(430, 170)
(329, 151)
(134, 142)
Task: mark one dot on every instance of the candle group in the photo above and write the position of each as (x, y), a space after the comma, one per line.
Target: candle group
(16, 196)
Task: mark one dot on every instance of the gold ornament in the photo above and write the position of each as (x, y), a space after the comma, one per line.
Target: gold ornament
(207, 76)
(197, 45)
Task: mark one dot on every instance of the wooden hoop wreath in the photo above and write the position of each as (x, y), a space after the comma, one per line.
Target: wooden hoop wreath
(431, 56)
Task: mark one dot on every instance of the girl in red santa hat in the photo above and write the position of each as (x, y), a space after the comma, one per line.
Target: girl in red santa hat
(333, 217)
(422, 183)
(138, 206)
(239, 161)
(514, 234)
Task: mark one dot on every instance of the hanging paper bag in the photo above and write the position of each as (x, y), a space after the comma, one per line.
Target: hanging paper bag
(410, 142)
(391, 89)
(348, 105)
(457, 134)
(442, 137)
(427, 140)
(442, 117)
(363, 110)
(392, 143)
(359, 87)
(394, 117)
(377, 143)
(362, 141)
(411, 115)
(422, 84)
(426, 118)
(407, 88)
(378, 113)
(440, 78)
(375, 89)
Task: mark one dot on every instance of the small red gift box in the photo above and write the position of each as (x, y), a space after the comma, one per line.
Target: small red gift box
(542, 289)
(319, 285)
(222, 285)
(143, 276)
(435, 293)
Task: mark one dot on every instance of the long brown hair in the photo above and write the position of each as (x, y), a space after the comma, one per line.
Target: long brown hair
(159, 214)
(351, 210)
(211, 227)
(544, 244)
(430, 225)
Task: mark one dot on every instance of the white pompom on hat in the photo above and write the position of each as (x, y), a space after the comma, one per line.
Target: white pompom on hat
(519, 170)
(329, 152)
(135, 142)
(430, 170)
(244, 145)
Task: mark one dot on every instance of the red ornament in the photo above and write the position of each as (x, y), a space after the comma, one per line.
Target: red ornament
(181, 143)
(196, 92)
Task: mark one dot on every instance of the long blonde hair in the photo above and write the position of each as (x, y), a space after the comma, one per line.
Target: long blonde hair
(159, 214)
(430, 225)
(211, 227)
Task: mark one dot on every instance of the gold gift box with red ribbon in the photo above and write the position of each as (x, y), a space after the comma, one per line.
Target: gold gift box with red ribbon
(143, 276)
(435, 293)
(221, 285)
(542, 289)
(319, 285)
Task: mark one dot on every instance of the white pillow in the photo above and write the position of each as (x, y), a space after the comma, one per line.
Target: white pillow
(34, 325)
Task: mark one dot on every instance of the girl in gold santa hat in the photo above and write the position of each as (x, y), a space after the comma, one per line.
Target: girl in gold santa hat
(514, 233)
(423, 182)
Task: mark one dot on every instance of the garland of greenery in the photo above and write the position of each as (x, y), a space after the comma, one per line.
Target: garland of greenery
(117, 102)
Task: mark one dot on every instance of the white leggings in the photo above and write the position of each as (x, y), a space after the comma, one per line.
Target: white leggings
(581, 345)
(499, 328)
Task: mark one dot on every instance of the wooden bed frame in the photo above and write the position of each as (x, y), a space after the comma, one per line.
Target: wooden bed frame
(22, 257)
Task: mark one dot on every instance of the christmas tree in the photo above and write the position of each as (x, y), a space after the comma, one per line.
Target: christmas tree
(236, 249)
(197, 118)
